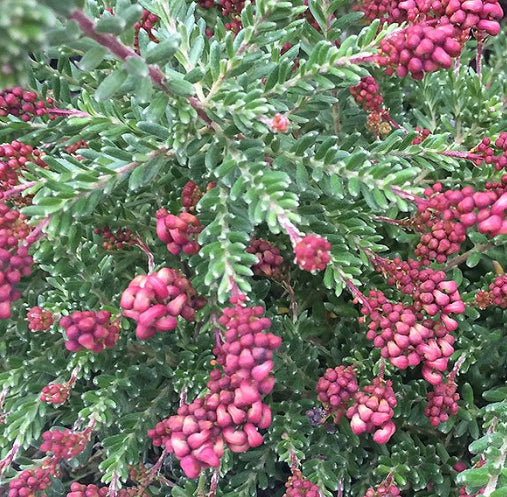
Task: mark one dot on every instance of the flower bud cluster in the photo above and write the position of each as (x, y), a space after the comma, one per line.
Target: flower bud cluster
(429, 289)
(386, 489)
(90, 330)
(376, 125)
(366, 94)
(156, 300)
(419, 48)
(387, 11)
(146, 23)
(55, 393)
(232, 412)
(119, 240)
(312, 253)
(406, 338)
(423, 134)
(80, 490)
(65, 444)
(15, 262)
(32, 482)
(486, 209)
(497, 185)
(372, 410)
(298, 486)
(179, 232)
(192, 435)
(463, 492)
(484, 152)
(39, 319)
(497, 294)
(482, 15)
(269, 259)
(335, 388)
(459, 467)
(443, 239)
(280, 123)
(190, 195)
(442, 402)
(74, 147)
(23, 104)
(13, 160)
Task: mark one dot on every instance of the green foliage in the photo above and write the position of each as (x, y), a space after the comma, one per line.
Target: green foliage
(200, 108)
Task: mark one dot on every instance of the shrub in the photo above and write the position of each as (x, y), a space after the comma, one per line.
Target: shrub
(253, 248)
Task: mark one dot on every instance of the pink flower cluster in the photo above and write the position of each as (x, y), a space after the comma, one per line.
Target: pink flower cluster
(486, 209)
(442, 402)
(65, 444)
(406, 338)
(420, 48)
(485, 153)
(15, 262)
(372, 410)
(268, 257)
(80, 490)
(385, 489)
(335, 389)
(482, 15)
(298, 486)
(190, 195)
(280, 123)
(55, 393)
(179, 232)
(31, 482)
(156, 300)
(497, 294)
(90, 330)
(366, 94)
(232, 411)
(312, 253)
(23, 104)
(13, 159)
(39, 319)
(146, 23)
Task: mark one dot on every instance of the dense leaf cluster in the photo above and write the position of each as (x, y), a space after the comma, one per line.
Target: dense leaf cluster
(251, 102)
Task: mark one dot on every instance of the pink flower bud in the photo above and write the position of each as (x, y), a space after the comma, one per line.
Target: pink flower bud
(266, 417)
(190, 466)
(357, 425)
(261, 372)
(383, 435)
(234, 437)
(253, 436)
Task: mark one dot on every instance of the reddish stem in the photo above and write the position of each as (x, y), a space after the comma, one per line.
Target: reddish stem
(478, 58)
(461, 155)
(214, 482)
(148, 252)
(153, 472)
(290, 229)
(116, 47)
(391, 121)
(406, 195)
(65, 112)
(37, 232)
(10, 456)
(340, 488)
(387, 220)
(294, 463)
(17, 189)
(359, 296)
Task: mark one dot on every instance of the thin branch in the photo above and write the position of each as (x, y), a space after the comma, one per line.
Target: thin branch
(117, 48)
(493, 479)
(463, 257)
